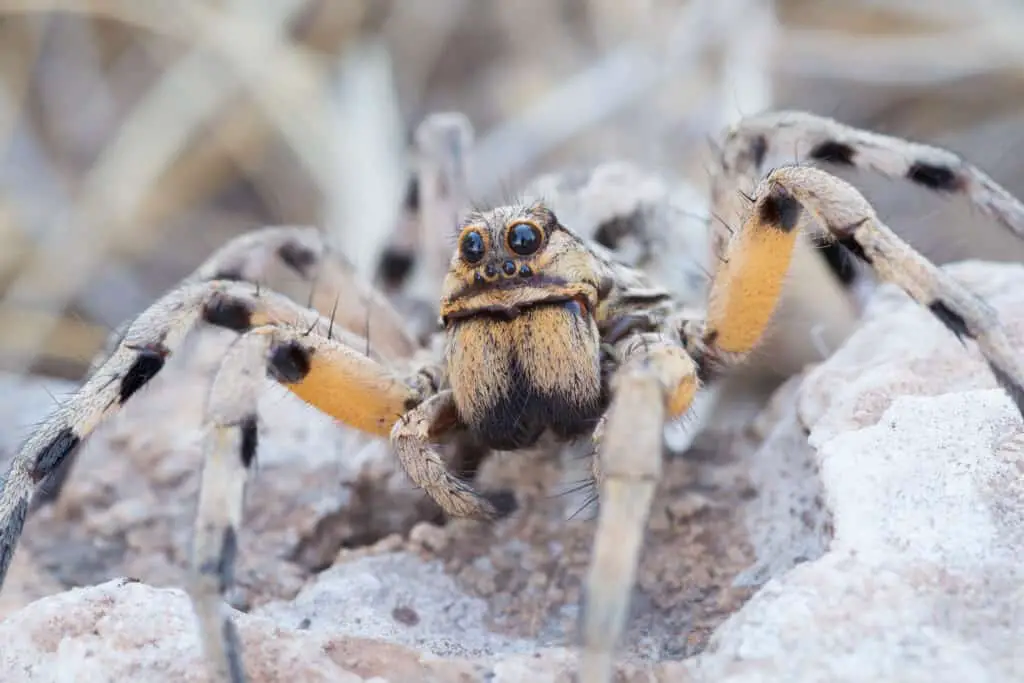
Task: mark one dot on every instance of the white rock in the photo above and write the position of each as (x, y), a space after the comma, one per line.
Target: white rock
(910, 485)
(397, 598)
(923, 580)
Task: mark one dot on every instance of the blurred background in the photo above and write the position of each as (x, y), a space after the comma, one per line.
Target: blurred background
(136, 136)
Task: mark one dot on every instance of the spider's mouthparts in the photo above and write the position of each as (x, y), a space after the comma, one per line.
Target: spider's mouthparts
(577, 304)
(507, 302)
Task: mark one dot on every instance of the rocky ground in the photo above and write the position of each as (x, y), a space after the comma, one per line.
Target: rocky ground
(864, 528)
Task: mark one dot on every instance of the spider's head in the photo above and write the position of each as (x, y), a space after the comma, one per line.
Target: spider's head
(523, 348)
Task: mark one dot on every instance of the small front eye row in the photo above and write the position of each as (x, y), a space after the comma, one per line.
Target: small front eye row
(522, 238)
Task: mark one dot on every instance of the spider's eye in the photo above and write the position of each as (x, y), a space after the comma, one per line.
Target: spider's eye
(524, 238)
(472, 247)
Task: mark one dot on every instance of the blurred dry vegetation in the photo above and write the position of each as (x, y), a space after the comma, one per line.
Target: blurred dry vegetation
(138, 135)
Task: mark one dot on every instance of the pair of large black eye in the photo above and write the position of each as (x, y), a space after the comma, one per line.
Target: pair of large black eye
(472, 247)
(524, 238)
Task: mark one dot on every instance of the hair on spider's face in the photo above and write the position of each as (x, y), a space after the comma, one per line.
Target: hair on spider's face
(523, 348)
(513, 258)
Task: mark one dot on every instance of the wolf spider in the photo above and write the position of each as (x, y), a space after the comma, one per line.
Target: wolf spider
(543, 331)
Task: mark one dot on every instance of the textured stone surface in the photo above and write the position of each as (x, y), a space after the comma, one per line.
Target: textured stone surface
(891, 475)
(922, 580)
(876, 506)
(109, 633)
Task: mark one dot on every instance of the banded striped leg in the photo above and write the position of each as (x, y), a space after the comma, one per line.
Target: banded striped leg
(295, 261)
(746, 288)
(277, 338)
(808, 137)
(229, 448)
(361, 311)
(313, 367)
(336, 380)
(657, 382)
(137, 358)
(330, 384)
(415, 261)
(756, 143)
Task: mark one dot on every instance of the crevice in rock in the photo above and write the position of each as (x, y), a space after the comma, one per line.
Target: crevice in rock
(78, 562)
(788, 520)
(371, 515)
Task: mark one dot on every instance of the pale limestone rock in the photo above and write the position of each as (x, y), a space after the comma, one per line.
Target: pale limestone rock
(922, 580)
(892, 474)
(126, 631)
(398, 598)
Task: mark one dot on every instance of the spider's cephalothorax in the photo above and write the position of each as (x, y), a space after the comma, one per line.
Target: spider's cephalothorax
(523, 348)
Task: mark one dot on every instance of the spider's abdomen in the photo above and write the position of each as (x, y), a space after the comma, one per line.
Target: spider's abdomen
(513, 379)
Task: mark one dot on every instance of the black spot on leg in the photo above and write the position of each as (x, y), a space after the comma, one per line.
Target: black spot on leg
(146, 365)
(289, 362)
(853, 246)
(10, 532)
(250, 439)
(395, 266)
(233, 646)
(779, 209)
(951, 319)
(297, 257)
(758, 150)
(226, 559)
(224, 567)
(228, 312)
(53, 454)
(834, 152)
(613, 230)
(48, 490)
(934, 177)
(839, 260)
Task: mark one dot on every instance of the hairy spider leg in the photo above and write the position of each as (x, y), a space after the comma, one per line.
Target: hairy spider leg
(656, 382)
(340, 380)
(295, 261)
(744, 293)
(334, 379)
